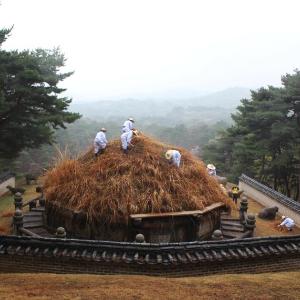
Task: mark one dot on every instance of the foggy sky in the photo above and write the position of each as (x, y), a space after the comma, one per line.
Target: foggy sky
(160, 48)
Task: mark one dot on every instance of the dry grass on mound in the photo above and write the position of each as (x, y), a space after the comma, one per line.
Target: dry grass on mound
(115, 185)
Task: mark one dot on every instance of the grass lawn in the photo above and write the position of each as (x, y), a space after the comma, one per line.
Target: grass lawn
(6, 211)
(6, 202)
(50, 286)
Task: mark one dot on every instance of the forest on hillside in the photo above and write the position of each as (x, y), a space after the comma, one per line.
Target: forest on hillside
(79, 136)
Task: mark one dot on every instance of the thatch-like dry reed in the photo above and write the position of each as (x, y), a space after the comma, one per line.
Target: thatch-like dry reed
(114, 185)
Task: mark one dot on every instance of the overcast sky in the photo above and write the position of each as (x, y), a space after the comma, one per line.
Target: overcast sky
(160, 48)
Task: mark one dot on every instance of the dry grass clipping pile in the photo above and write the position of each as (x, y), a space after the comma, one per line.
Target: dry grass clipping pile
(114, 185)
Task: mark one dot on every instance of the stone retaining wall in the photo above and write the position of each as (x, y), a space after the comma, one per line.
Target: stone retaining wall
(9, 179)
(45, 265)
(163, 227)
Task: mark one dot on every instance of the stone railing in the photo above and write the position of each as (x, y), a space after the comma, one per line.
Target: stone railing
(18, 218)
(254, 255)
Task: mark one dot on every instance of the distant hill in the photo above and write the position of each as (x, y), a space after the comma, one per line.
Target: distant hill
(215, 106)
(229, 98)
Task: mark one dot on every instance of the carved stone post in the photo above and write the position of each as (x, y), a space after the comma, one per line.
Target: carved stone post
(139, 238)
(18, 201)
(18, 221)
(61, 233)
(32, 204)
(243, 209)
(250, 223)
(42, 201)
(217, 235)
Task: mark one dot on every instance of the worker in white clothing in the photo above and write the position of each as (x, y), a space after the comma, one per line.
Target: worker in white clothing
(100, 142)
(126, 138)
(174, 157)
(287, 223)
(211, 169)
(128, 125)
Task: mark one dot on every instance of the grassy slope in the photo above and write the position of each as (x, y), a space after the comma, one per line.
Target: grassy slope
(51, 286)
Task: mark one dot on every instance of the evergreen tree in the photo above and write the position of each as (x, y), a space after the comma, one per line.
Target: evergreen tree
(31, 105)
(263, 142)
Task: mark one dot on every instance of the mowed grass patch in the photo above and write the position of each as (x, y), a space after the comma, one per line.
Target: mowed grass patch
(243, 286)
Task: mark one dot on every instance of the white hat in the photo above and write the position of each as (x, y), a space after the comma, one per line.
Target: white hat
(211, 167)
(103, 129)
(169, 154)
(131, 119)
(283, 217)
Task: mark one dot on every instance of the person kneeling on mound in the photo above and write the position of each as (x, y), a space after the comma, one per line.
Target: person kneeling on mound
(287, 223)
(174, 157)
(126, 138)
(100, 142)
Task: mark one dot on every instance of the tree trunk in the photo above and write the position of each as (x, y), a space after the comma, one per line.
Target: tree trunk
(262, 170)
(287, 187)
(298, 189)
(275, 183)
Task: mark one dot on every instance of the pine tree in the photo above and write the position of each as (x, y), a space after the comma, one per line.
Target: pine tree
(263, 142)
(31, 105)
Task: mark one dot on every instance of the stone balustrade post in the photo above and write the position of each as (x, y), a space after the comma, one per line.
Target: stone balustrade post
(139, 238)
(42, 201)
(250, 223)
(32, 204)
(18, 221)
(18, 201)
(217, 235)
(243, 209)
(61, 233)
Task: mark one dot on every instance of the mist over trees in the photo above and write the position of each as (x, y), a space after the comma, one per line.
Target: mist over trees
(31, 105)
(32, 111)
(208, 109)
(173, 122)
(79, 137)
(264, 140)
